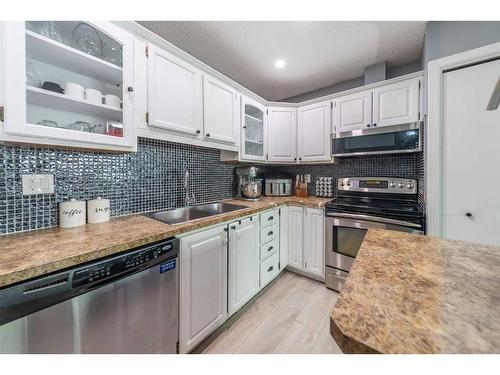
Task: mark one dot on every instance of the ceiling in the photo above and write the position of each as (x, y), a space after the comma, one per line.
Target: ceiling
(317, 54)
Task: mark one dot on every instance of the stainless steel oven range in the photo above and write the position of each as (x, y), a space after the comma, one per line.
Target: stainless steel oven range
(363, 203)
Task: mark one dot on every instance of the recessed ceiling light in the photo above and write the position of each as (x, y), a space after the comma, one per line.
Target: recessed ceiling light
(280, 64)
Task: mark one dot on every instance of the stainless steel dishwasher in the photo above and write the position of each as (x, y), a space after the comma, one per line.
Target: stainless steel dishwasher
(128, 303)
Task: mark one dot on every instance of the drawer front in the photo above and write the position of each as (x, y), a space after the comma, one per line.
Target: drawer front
(269, 269)
(269, 249)
(268, 218)
(269, 234)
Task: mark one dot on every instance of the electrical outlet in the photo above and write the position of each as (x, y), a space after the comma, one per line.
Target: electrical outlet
(34, 184)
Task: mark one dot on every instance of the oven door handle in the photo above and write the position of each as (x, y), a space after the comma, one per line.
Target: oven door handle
(374, 218)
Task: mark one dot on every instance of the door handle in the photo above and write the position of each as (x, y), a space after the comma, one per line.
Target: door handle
(468, 214)
(270, 248)
(495, 98)
(270, 218)
(270, 233)
(270, 269)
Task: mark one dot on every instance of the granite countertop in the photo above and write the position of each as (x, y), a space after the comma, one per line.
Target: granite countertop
(35, 253)
(409, 293)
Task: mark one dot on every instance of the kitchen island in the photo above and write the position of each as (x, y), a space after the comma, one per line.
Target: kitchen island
(409, 293)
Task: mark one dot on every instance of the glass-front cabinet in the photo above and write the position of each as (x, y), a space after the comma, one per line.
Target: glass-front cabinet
(69, 83)
(253, 134)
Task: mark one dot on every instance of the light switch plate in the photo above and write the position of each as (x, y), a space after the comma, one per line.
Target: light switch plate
(34, 184)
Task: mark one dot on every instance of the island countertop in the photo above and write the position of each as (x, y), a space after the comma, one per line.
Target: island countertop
(409, 293)
(27, 255)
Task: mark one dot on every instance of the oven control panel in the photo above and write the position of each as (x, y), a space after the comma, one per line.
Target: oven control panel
(378, 185)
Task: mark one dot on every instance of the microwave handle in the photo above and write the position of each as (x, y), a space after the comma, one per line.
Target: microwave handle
(374, 218)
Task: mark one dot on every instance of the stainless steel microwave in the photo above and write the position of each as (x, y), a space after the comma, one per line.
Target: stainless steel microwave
(395, 139)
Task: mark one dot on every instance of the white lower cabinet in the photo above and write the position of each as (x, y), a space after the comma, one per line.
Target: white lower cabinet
(284, 223)
(243, 262)
(269, 269)
(314, 249)
(295, 237)
(269, 246)
(203, 285)
(306, 240)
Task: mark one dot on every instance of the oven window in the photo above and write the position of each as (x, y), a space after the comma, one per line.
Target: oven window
(347, 241)
(395, 141)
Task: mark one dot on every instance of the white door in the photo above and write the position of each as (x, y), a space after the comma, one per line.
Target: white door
(295, 238)
(243, 260)
(253, 130)
(203, 286)
(314, 132)
(314, 242)
(36, 115)
(219, 112)
(353, 112)
(284, 223)
(174, 93)
(396, 103)
(282, 134)
(471, 155)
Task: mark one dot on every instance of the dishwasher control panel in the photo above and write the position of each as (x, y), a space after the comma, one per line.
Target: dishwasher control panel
(129, 262)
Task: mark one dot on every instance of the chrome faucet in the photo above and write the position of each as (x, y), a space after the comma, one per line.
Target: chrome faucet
(189, 197)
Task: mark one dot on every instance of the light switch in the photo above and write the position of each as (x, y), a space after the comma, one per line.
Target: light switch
(34, 184)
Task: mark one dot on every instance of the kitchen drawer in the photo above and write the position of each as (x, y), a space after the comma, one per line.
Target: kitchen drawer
(269, 234)
(268, 218)
(269, 269)
(269, 249)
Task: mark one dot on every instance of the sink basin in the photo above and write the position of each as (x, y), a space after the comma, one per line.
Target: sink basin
(184, 214)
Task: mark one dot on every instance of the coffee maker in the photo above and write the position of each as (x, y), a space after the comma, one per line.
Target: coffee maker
(249, 185)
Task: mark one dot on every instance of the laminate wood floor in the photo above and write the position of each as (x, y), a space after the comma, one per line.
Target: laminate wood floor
(291, 316)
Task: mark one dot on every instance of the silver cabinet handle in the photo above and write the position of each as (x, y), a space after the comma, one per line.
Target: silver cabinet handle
(270, 248)
(270, 233)
(468, 214)
(495, 98)
(270, 218)
(373, 218)
(270, 269)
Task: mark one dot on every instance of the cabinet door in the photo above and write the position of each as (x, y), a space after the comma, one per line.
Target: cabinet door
(314, 249)
(253, 130)
(98, 110)
(282, 134)
(203, 302)
(314, 132)
(397, 103)
(353, 112)
(219, 101)
(174, 93)
(284, 233)
(295, 240)
(243, 262)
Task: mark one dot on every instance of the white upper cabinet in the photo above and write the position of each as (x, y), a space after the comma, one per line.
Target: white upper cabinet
(219, 111)
(253, 130)
(396, 103)
(282, 134)
(69, 83)
(174, 93)
(352, 112)
(314, 132)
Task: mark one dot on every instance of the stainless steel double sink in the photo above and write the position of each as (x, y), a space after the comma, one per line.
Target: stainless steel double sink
(184, 214)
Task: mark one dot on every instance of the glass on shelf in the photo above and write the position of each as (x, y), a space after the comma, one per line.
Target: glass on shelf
(32, 77)
(81, 36)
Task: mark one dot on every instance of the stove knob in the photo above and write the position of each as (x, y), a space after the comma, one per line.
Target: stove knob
(392, 184)
(401, 185)
(348, 183)
(409, 186)
(342, 183)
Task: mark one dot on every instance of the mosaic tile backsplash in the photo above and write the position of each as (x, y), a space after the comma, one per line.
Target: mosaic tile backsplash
(149, 180)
